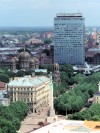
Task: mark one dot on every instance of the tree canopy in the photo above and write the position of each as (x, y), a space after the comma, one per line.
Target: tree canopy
(47, 41)
(92, 113)
(76, 98)
(11, 116)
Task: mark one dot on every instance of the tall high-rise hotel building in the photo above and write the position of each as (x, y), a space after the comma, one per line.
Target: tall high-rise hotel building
(69, 31)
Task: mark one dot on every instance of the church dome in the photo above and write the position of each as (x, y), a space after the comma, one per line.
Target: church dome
(32, 61)
(24, 55)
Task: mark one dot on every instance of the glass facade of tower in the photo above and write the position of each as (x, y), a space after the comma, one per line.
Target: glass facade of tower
(69, 39)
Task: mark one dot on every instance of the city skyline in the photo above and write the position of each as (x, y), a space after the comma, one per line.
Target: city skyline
(41, 13)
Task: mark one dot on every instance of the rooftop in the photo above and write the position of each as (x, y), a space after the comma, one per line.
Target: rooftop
(28, 81)
(66, 126)
(97, 93)
(69, 15)
(41, 70)
(94, 49)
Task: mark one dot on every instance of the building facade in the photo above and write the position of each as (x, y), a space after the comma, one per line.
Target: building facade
(96, 98)
(69, 31)
(35, 91)
(47, 59)
(93, 56)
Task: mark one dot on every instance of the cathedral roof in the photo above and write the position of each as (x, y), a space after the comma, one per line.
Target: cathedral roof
(35, 59)
(24, 54)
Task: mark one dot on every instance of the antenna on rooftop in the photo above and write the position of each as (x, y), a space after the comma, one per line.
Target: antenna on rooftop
(78, 11)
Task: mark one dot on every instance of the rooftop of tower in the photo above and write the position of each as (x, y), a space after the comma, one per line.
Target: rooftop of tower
(69, 15)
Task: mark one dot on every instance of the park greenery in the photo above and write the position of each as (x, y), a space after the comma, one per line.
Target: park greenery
(72, 94)
(11, 116)
(66, 74)
(92, 113)
(72, 99)
(76, 98)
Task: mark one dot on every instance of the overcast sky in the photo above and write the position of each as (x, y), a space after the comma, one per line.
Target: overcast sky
(42, 12)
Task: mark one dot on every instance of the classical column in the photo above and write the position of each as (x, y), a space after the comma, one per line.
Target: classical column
(51, 117)
(51, 92)
(51, 111)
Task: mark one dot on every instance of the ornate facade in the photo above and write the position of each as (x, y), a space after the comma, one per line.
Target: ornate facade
(27, 62)
(35, 91)
(23, 61)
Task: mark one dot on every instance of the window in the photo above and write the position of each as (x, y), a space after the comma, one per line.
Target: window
(31, 99)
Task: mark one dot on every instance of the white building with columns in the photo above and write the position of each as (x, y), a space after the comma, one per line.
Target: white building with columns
(35, 91)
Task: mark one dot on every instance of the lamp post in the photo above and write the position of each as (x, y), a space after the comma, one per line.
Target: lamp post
(66, 111)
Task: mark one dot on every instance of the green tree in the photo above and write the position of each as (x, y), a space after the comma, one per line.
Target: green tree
(7, 126)
(47, 41)
(4, 78)
(93, 113)
(11, 116)
(20, 73)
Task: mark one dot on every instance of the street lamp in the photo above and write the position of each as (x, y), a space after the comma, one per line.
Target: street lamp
(66, 110)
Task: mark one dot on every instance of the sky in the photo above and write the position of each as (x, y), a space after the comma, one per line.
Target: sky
(37, 13)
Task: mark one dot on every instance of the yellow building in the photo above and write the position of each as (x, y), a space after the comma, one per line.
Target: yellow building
(35, 91)
(96, 98)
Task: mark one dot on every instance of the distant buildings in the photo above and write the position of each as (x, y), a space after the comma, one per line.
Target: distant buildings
(4, 99)
(34, 41)
(23, 60)
(44, 59)
(35, 91)
(47, 59)
(93, 56)
(69, 29)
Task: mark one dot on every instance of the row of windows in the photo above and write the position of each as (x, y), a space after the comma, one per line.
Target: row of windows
(23, 99)
(22, 89)
(65, 34)
(68, 19)
(27, 94)
(68, 29)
